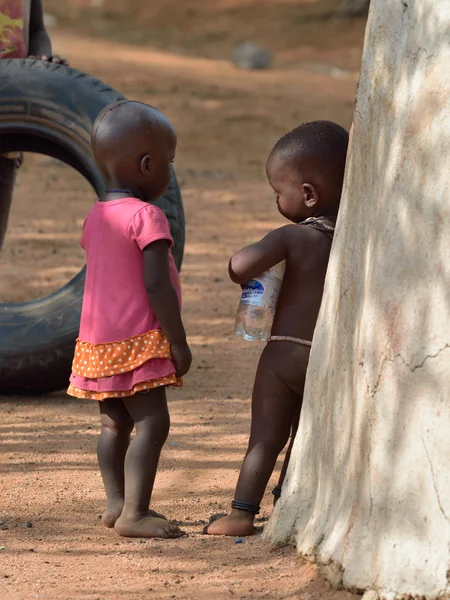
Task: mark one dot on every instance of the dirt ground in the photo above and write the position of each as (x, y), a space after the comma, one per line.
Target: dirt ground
(227, 120)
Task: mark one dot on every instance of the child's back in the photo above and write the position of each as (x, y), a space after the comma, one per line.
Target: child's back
(115, 304)
(301, 292)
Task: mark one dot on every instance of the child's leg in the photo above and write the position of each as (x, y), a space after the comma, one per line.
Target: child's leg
(151, 417)
(288, 452)
(274, 405)
(111, 449)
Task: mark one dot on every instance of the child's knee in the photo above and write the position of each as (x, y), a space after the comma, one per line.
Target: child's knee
(270, 444)
(279, 443)
(121, 426)
(156, 429)
(160, 428)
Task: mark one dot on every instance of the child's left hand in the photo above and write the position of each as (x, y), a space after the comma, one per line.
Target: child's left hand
(55, 58)
(182, 357)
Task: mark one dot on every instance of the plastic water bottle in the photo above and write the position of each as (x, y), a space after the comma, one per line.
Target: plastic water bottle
(256, 309)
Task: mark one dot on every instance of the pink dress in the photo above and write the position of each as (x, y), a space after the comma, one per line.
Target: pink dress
(121, 348)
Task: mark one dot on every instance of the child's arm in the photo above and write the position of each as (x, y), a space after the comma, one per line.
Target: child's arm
(257, 258)
(39, 45)
(164, 301)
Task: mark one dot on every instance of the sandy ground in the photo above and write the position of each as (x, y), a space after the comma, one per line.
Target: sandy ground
(227, 121)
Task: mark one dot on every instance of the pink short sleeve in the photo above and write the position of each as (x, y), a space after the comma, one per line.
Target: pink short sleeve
(149, 225)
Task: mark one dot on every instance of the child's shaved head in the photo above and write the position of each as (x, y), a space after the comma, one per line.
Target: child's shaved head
(318, 147)
(128, 109)
(125, 122)
(132, 143)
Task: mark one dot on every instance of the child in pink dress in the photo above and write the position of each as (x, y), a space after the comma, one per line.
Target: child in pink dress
(132, 342)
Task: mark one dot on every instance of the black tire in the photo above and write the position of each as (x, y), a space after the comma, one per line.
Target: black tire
(49, 108)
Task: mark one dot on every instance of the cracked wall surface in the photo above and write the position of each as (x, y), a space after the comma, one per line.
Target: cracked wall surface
(368, 488)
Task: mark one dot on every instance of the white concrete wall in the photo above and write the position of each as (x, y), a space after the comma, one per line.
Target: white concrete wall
(368, 489)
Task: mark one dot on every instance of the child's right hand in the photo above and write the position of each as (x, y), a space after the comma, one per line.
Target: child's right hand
(182, 357)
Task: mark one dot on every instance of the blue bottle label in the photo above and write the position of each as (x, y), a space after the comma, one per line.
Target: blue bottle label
(253, 293)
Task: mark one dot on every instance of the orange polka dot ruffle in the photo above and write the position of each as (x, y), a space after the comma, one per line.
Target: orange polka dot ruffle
(105, 360)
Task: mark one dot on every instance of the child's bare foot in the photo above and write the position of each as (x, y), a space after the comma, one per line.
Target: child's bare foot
(238, 523)
(156, 514)
(146, 526)
(110, 517)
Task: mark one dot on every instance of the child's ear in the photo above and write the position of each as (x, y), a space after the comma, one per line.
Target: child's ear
(146, 165)
(310, 194)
